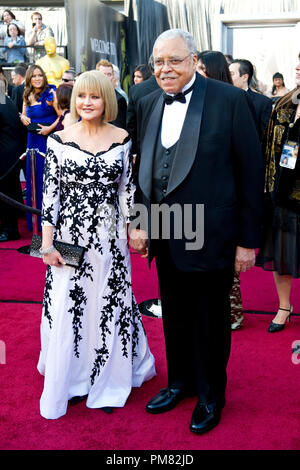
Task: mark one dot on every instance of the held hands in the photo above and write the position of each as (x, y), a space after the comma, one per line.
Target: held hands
(138, 242)
(54, 259)
(244, 259)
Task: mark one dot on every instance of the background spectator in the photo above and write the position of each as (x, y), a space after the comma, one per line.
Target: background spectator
(68, 77)
(18, 78)
(141, 73)
(9, 18)
(280, 243)
(278, 89)
(106, 67)
(18, 75)
(10, 144)
(116, 82)
(213, 64)
(39, 108)
(242, 72)
(38, 34)
(14, 45)
(228, 58)
(9, 87)
(63, 97)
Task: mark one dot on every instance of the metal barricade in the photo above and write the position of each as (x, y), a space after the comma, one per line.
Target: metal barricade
(32, 156)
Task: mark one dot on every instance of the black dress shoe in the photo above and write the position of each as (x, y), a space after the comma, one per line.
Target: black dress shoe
(165, 400)
(205, 417)
(107, 409)
(77, 399)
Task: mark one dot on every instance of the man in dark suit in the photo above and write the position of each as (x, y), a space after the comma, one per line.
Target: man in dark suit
(242, 72)
(18, 77)
(201, 160)
(11, 149)
(136, 92)
(106, 67)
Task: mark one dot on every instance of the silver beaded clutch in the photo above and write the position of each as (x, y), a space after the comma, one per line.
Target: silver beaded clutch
(72, 254)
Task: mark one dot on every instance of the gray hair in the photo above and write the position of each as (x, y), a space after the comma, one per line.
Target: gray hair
(116, 71)
(71, 72)
(179, 33)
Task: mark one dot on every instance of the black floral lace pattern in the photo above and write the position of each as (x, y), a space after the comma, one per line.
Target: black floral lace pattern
(76, 185)
(47, 296)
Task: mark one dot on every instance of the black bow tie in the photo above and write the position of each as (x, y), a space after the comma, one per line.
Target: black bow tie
(168, 99)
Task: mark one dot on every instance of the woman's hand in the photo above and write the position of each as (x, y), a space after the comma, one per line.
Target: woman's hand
(54, 259)
(11, 44)
(45, 130)
(25, 120)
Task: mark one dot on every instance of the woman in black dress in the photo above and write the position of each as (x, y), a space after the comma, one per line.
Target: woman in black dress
(280, 250)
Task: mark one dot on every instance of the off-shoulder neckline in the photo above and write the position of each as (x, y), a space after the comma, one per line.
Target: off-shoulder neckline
(75, 145)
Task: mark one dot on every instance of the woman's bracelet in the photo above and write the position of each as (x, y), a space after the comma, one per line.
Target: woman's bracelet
(47, 251)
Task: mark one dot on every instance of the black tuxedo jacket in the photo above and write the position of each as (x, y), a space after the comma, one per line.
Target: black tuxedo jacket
(17, 96)
(218, 163)
(120, 120)
(136, 92)
(263, 110)
(10, 135)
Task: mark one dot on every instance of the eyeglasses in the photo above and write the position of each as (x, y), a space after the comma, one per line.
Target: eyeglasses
(66, 80)
(172, 62)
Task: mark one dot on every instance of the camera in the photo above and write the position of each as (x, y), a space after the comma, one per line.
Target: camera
(33, 25)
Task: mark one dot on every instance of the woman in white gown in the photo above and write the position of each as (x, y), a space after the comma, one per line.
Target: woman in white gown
(93, 343)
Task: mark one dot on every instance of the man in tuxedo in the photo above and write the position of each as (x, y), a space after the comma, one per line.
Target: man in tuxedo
(11, 149)
(201, 159)
(242, 72)
(136, 92)
(17, 97)
(106, 67)
(18, 79)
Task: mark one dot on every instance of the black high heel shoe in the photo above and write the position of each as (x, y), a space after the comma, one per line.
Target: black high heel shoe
(275, 327)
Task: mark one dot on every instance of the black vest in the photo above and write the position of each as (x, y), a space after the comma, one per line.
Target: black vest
(162, 166)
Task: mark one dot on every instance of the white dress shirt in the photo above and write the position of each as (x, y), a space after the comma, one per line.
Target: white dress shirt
(173, 118)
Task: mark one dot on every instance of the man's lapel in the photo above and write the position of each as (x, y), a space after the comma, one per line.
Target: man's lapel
(148, 148)
(189, 137)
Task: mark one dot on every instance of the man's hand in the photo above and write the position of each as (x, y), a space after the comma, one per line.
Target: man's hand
(244, 259)
(138, 242)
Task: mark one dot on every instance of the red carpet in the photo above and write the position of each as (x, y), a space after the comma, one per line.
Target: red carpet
(263, 399)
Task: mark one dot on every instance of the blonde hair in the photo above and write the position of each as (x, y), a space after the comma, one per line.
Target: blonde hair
(94, 81)
(104, 63)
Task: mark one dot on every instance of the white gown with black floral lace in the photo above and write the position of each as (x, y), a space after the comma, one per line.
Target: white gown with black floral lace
(92, 338)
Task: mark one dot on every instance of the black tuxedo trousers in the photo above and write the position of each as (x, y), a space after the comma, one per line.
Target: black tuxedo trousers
(197, 325)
